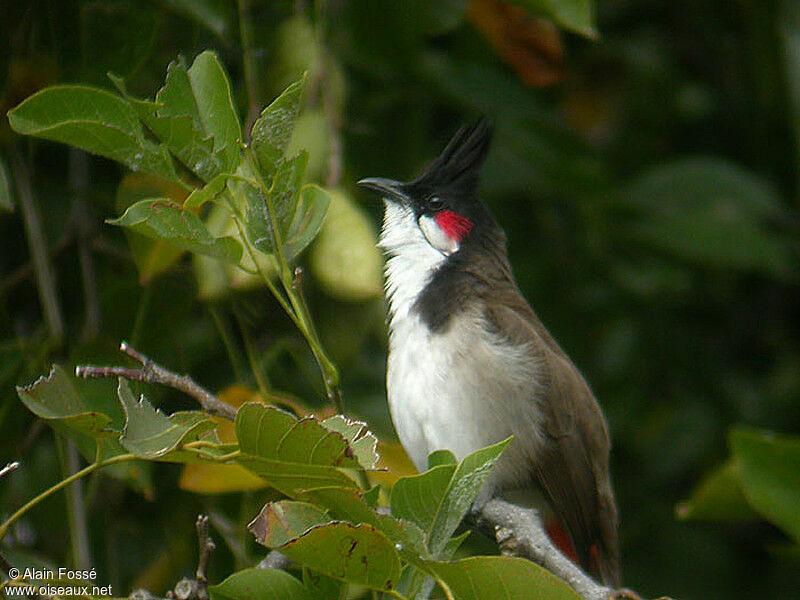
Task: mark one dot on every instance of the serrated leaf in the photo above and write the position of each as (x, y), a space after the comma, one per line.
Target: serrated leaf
(273, 129)
(500, 578)
(165, 220)
(151, 434)
(358, 554)
(769, 468)
(281, 522)
(174, 118)
(259, 584)
(55, 399)
(438, 499)
(291, 478)
(575, 15)
(93, 120)
(718, 497)
(212, 91)
(6, 197)
(268, 432)
(360, 439)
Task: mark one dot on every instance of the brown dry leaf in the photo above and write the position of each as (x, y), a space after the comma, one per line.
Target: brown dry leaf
(532, 46)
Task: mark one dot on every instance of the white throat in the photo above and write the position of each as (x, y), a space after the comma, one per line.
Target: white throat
(412, 260)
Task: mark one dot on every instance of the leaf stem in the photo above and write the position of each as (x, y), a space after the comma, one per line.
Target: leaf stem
(61, 485)
(291, 300)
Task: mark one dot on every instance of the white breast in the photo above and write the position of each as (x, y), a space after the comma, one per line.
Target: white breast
(461, 389)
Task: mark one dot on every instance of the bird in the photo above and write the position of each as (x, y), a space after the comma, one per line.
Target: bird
(469, 362)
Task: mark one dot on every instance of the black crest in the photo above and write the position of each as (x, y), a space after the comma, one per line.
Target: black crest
(458, 164)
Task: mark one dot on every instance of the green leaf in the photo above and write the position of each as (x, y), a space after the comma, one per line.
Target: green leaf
(355, 553)
(361, 440)
(165, 220)
(55, 399)
(93, 120)
(769, 467)
(212, 90)
(291, 478)
(273, 129)
(259, 584)
(418, 498)
(711, 212)
(174, 118)
(270, 433)
(208, 192)
(322, 587)
(284, 199)
(441, 457)
(151, 434)
(438, 499)
(309, 214)
(718, 497)
(6, 197)
(500, 578)
(281, 522)
(575, 15)
(467, 481)
(348, 504)
(152, 256)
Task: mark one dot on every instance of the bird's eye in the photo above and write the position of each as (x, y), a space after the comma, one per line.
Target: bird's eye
(435, 204)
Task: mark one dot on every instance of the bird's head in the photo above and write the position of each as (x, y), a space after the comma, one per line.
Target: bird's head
(441, 206)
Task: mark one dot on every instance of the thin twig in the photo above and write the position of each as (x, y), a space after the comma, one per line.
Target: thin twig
(152, 372)
(9, 468)
(206, 546)
(79, 182)
(43, 269)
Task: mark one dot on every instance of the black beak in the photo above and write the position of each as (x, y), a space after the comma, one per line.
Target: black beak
(388, 188)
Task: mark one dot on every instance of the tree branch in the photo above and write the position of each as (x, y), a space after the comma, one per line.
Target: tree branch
(152, 372)
(520, 532)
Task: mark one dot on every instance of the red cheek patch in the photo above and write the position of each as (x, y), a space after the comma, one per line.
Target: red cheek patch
(455, 226)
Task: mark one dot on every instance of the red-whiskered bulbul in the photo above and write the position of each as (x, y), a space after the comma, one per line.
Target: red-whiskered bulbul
(470, 363)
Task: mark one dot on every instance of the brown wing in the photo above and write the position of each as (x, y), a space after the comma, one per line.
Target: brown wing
(573, 468)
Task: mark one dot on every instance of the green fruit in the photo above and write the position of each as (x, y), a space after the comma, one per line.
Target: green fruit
(295, 50)
(312, 133)
(345, 259)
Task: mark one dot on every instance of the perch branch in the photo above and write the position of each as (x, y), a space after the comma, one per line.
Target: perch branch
(520, 532)
(152, 372)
